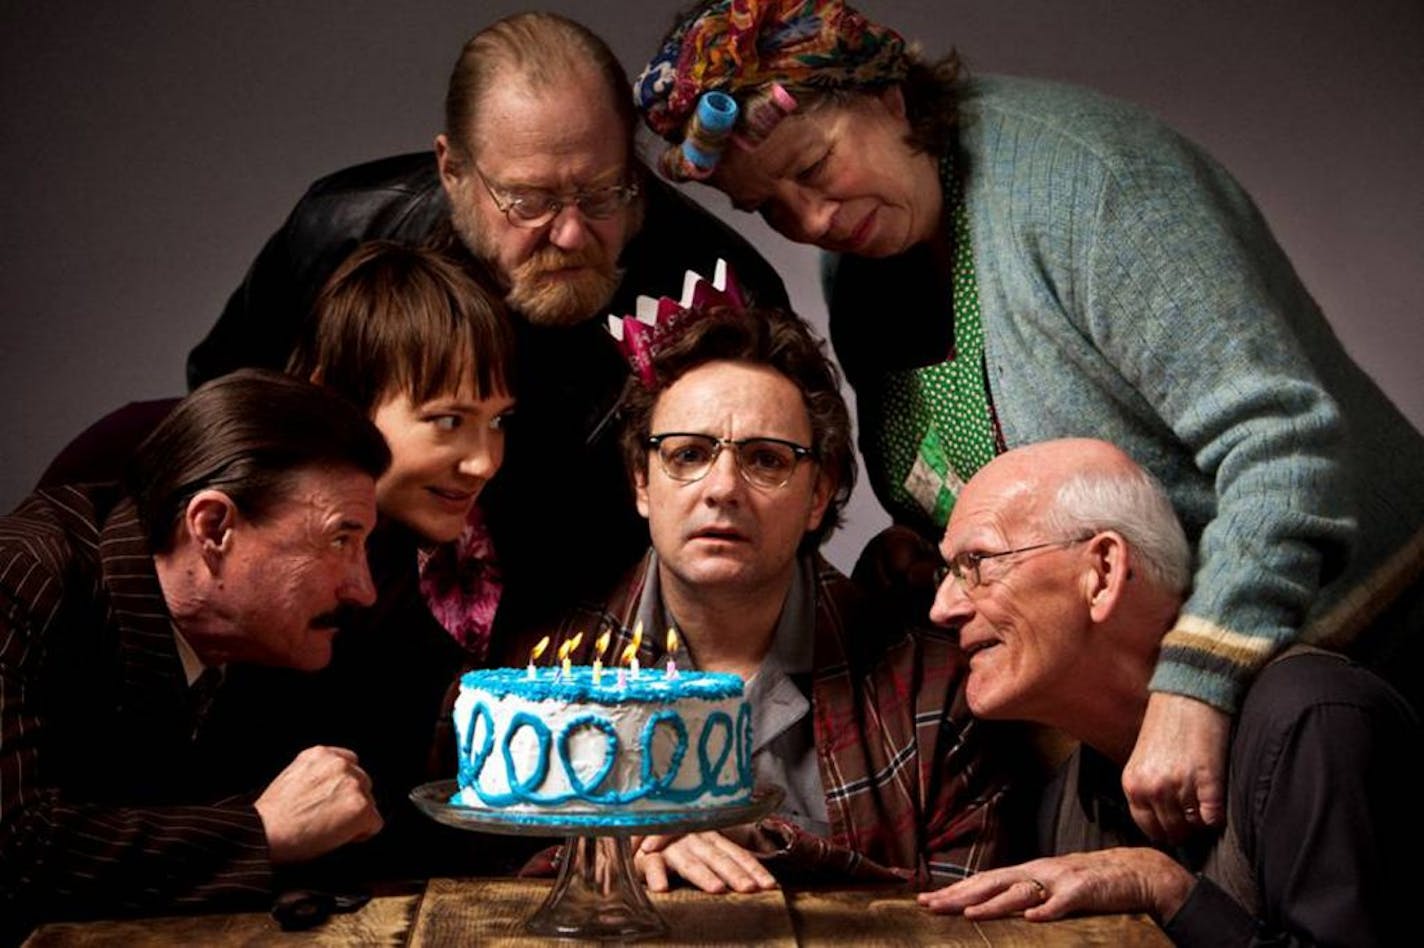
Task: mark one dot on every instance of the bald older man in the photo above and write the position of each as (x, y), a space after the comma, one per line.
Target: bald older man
(1067, 565)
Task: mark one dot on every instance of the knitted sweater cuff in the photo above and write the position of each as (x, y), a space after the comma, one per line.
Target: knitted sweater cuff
(1202, 660)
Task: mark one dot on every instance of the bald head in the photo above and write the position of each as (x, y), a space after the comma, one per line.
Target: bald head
(534, 52)
(1080, 486)
(1069, 564)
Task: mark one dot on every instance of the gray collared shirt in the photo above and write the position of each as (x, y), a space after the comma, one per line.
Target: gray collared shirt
(783, 739)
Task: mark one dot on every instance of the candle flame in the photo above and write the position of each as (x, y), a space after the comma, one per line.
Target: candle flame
(638, 635)
(671, 641)
(565, 647)
(538, 650)
(600, 645)
(628, 653)
(575, 642)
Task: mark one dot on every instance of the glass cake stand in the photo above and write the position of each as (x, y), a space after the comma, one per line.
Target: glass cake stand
(597, 894)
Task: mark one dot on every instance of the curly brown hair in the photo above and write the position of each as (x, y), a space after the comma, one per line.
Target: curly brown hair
(775, 338)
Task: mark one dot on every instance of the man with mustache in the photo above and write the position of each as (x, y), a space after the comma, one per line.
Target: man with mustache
(535, 176)
(238, 537)
(738, 443)
(1066, 565)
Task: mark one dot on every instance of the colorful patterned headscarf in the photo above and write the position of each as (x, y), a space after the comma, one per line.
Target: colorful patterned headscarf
(743, 47)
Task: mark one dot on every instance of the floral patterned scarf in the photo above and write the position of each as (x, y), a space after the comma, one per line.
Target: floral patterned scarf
(462, 583)
(738, 46)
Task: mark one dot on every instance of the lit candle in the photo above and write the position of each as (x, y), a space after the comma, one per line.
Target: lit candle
(632, 650)
(671, 650)
(600, 645)
(534, 654)
(564, 648)
(630, 657)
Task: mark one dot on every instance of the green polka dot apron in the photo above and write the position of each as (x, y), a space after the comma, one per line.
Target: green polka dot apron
(937, 422)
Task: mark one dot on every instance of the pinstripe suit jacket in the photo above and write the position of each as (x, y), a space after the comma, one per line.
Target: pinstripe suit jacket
(109, 803)
(913, 787)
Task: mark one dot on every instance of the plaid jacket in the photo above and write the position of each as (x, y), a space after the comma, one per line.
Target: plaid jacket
(909, 789)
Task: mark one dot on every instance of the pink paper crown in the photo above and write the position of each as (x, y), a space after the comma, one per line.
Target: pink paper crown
(659, 321)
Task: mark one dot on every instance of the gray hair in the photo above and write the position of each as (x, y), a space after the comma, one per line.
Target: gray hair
(1134, 504)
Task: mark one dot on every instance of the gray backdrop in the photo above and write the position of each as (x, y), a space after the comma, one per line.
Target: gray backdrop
(150, 148)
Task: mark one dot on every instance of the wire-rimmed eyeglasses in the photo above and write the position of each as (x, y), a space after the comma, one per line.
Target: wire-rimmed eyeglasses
(531, 208)
(763, 462)
(964, 567)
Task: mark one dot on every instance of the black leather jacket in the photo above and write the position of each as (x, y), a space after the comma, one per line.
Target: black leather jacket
(561, 510)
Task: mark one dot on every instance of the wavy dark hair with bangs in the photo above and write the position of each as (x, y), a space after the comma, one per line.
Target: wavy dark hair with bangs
(774, 338)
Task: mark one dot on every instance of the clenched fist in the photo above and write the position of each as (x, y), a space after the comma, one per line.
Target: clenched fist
(321, 801)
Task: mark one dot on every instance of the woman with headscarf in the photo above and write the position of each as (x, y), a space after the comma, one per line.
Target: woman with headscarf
(1011, 261)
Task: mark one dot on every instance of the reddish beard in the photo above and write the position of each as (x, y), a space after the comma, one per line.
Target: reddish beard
(547, 297)
(565, 300)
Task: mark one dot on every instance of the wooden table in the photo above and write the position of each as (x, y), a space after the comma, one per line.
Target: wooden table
(458, 912)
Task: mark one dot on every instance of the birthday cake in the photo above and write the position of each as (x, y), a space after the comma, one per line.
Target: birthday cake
(560, 744)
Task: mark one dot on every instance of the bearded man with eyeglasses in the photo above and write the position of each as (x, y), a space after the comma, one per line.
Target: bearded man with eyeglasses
(535, 176)
(739, 448)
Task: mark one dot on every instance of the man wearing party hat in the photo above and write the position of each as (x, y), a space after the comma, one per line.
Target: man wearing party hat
(738, 444)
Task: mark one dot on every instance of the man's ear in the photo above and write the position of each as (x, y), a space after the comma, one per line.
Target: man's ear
(821, 496)
(640, 490)
(451, 168)
(209, 519)
(1105, 577)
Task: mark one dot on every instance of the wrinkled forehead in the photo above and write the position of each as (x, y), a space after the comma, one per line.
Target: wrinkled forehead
(992, 510)
(567, 116)
(750, 176)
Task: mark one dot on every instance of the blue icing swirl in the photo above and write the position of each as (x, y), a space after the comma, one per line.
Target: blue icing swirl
(582, 790)
(653, 783)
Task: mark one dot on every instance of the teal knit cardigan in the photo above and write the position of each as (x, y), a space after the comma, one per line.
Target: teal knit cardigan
(1131, 291)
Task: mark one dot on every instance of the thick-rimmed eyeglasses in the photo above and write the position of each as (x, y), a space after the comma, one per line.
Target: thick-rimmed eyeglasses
(763, 462)
(531, 208)
(965, 567)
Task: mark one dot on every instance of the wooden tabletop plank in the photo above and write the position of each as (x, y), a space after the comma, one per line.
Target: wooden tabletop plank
(880, 918)
(493, 912)
(382, 922)
(476, 912)
(458, 912)
(696, 918)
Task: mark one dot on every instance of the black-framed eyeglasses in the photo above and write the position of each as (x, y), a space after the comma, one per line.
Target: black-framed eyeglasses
(531, 208)
(964, 567)
(763, 462)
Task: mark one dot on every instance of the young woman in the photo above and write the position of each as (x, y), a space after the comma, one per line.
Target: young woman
(417, 341)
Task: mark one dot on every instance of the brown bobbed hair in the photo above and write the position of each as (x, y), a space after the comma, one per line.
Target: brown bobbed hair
(247, 434)
(779, 340)
(396, 318)
(538, 50)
